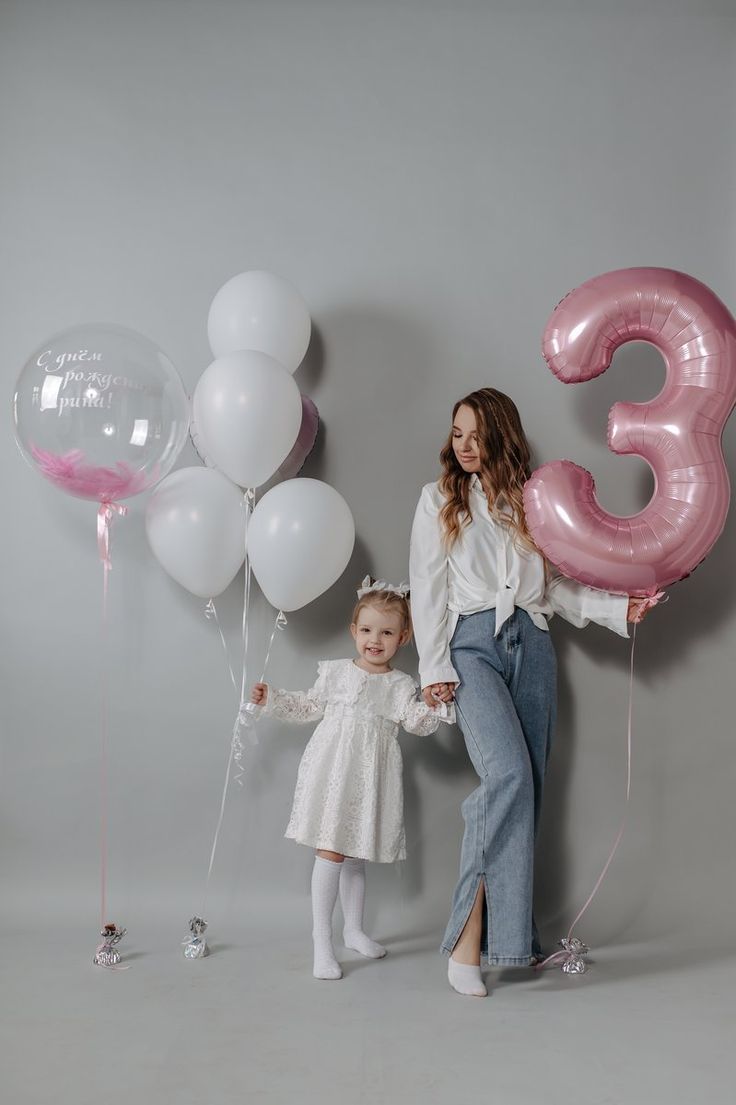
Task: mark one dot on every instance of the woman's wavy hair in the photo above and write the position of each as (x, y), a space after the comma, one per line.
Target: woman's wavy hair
(505, 466)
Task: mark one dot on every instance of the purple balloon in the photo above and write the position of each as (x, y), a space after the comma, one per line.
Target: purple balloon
(678, 432)
(305, 440)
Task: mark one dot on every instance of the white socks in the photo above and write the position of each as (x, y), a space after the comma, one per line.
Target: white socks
(352, 897)
(325, 883)
(466, 979)
(349, 878)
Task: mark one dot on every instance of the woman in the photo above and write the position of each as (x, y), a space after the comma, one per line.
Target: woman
(481, 595)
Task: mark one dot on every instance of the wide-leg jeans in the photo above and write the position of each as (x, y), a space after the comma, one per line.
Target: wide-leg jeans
(506, 709)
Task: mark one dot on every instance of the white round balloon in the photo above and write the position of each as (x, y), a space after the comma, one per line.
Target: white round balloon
(195, 522)
(248, 413)
(300, 539)
(258, 310)
(300, 450)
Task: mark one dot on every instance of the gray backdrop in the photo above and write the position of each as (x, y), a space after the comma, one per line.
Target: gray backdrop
(433, 177)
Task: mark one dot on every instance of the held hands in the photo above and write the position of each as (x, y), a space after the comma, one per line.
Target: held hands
(438, 692)
(259, 694)
(638, 608)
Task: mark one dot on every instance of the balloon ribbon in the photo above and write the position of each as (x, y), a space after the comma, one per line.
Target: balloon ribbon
(105, 514)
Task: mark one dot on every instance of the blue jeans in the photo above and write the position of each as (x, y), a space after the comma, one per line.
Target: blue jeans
(506, 708)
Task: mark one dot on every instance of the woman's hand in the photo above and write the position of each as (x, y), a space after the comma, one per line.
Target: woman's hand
(259, 694)
(438, 692)
(639, 606)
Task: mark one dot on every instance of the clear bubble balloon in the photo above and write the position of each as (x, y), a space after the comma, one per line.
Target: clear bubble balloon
(101, 412)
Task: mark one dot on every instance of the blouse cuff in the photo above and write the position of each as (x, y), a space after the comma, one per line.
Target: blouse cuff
(608, 610)
(444, 674)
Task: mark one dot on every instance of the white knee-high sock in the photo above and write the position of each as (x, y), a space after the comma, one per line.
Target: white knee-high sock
(325, 883)
(352, 898)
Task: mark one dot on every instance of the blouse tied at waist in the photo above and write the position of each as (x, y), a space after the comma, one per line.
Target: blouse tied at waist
(485, 569)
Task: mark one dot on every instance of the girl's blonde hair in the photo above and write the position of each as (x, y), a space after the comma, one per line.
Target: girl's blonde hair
(505, 466)
(388, 602)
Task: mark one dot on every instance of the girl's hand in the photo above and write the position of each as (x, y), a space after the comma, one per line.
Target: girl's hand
(438, 692)
(259, 694)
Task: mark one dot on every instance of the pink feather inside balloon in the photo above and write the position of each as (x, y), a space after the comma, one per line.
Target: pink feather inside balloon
(73, 474)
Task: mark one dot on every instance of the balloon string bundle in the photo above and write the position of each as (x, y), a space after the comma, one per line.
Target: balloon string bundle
(106, 955)
(235, 748)
(238, 749)
(250, 709)
(210, 612)
(571, 957)
(195, 946)
(280, 623)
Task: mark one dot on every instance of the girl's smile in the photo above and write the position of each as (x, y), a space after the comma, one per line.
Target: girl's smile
(378, 636)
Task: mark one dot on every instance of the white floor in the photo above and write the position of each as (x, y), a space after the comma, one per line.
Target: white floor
(646, 1024)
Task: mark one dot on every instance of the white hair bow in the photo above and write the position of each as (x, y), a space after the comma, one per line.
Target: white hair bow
(381, 585)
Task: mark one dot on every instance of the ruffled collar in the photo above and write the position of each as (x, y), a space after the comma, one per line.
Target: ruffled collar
(373, 674)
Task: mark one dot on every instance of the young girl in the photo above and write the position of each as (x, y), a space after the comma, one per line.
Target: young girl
(348, 803)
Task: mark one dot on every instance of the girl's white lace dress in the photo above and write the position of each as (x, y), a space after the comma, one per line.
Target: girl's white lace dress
(349, 796)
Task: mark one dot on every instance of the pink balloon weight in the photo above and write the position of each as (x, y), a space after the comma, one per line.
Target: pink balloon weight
(101, 412)
(678, 432)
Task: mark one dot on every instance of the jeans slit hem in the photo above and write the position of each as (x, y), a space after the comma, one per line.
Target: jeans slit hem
(459, 931)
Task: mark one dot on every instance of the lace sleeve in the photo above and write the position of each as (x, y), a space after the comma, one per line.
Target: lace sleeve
(299, 707)
(417, 717)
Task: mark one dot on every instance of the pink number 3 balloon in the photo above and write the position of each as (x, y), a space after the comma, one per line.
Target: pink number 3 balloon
(678, 432)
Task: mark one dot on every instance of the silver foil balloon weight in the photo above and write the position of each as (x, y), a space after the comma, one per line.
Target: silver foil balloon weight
(573, 956)
(107, 954)
(195, 945)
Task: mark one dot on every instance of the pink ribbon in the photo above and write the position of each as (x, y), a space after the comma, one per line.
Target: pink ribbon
(105, 513)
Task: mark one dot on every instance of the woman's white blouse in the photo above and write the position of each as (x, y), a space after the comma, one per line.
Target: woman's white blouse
(484, 570)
